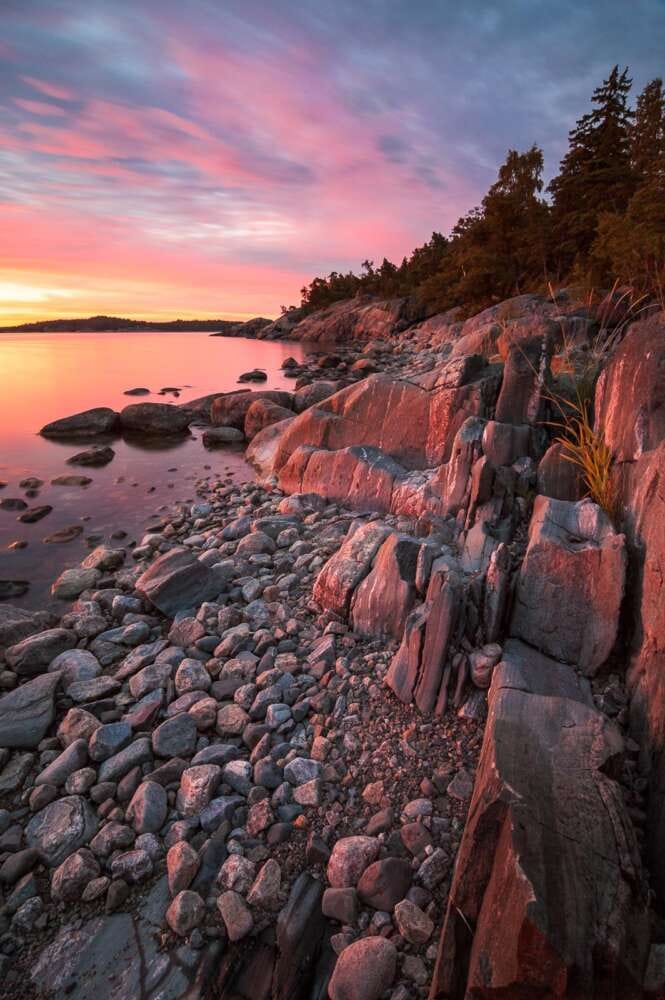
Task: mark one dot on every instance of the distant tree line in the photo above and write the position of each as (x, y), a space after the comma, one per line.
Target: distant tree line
(603, 220)
(110, 324)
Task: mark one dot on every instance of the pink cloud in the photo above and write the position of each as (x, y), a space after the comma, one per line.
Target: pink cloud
(49, 89)
(39, 107)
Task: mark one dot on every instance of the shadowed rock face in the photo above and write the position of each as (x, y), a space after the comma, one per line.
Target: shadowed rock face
(571, 583)
(557, 477)
(645, 501)
(384, 598)
(548, 897)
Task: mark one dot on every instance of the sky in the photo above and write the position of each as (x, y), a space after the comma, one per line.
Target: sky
(182, 158)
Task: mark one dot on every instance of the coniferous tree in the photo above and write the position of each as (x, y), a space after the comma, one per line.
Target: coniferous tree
(630, 245)
(647, 144)
(596, 173)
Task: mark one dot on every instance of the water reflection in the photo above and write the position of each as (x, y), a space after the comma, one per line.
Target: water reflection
(48, 376)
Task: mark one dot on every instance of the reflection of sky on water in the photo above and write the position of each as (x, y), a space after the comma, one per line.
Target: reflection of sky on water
(46, 376)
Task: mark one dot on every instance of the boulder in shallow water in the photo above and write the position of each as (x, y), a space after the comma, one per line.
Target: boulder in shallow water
(256, 375)
(94, 457)
(154, 418)
(218, 437)
(98, 420)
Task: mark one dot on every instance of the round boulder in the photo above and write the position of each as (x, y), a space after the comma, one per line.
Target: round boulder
(364, 970)
(154, 418)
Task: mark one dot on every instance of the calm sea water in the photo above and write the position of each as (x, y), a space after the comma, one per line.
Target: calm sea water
(46, 376)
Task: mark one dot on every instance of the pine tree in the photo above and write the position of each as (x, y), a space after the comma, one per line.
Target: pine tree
(647, 145)
(596, 173)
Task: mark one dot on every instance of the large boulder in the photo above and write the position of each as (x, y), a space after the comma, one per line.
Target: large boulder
(514, 321)
(28, 711)
(263, 413)
(365, 970)
(630, 394)
(88, 423)
(571, 583)
(154, 419)
(345, 569)
(262, 449)
(383, 600)
(231, 409)
(177, 580)
(548, 897)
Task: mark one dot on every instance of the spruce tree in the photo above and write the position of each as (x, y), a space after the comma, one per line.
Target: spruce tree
(596, 173)
(648, 133)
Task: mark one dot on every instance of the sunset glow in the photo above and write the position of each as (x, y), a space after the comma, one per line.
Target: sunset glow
(165, 160)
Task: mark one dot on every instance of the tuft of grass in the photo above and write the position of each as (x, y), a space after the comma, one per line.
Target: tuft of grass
(586, 448)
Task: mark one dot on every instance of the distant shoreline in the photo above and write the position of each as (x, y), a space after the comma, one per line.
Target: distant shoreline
(117, 324)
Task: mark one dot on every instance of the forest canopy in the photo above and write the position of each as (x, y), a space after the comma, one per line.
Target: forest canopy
(601, 220)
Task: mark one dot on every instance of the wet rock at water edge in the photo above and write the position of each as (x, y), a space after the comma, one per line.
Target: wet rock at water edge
(13, 588)
(255, 375)
(217, 437)
(88, 423)
(97, 456)
(34, 514)
(64, 535)
(71, 481)
(13, 503)
(154, 419)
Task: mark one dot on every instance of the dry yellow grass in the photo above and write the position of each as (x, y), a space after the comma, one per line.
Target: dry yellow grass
(586, 448)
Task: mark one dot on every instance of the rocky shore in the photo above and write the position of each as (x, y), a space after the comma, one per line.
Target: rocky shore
(384, 723)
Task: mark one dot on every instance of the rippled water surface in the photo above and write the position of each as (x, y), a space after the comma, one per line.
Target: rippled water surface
(46, 376)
